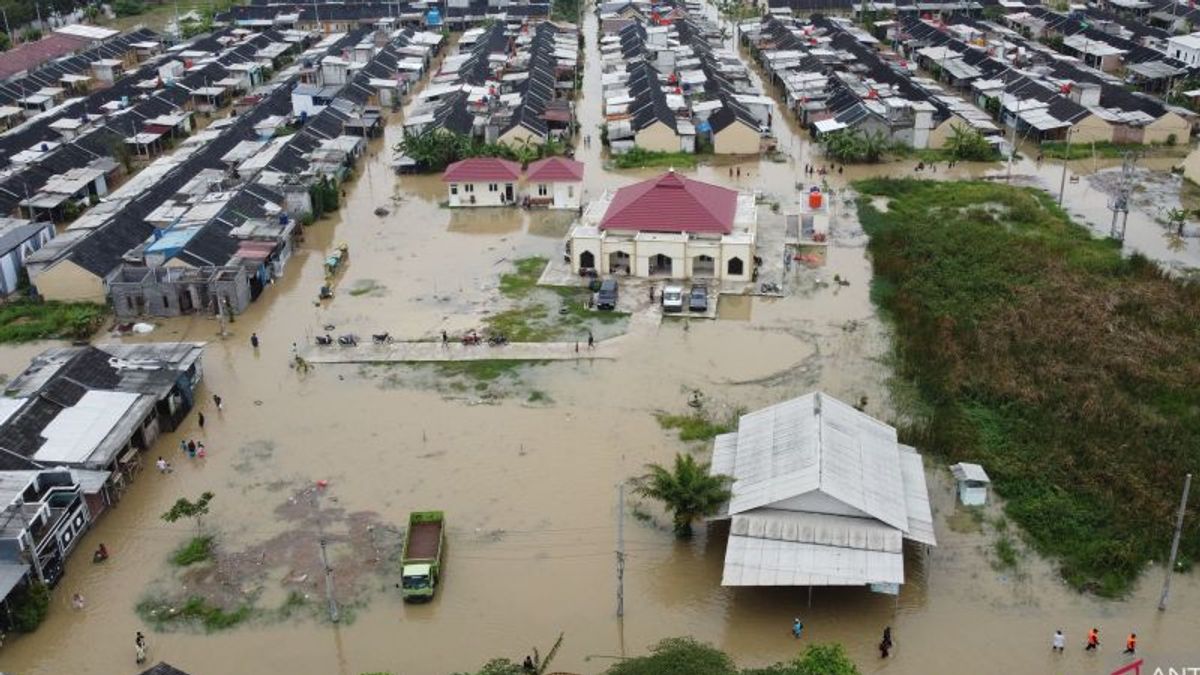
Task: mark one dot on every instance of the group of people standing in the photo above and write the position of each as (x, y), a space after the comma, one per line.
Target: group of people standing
(810, 169)
(1059, 642)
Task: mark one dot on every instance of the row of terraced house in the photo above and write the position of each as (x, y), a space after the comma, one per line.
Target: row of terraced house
(671, 84)
(181, 185)
(917, 78)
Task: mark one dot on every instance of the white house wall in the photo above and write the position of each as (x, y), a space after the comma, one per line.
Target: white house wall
(566, 195)
(483, 196)
(682, 254)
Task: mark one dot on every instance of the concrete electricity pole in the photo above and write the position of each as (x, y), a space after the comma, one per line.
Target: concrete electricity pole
(1187, 485)
(621, 550)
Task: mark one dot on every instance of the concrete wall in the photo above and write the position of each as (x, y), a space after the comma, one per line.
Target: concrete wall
(518, 136)
(657, 137)
(566, 195)
(1091, 128)
(1191, 166)
(736, 139)
(482, 195)
(1170, 123)
(589, 244)
(68, 282)
(675, 250)
(744, 253)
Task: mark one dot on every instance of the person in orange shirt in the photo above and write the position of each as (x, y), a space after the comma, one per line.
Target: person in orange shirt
(1093, 640)
(1131, 644)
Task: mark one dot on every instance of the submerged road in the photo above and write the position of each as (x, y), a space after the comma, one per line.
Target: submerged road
(423, 352)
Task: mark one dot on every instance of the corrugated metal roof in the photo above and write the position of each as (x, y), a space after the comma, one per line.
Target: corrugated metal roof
(753, 561)
(916, 497)
(822, 495)
(816, 442)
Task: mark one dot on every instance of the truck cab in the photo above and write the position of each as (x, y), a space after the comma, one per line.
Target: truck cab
(418, 581)
(421, 560)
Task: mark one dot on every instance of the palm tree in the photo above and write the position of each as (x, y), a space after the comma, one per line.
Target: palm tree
(688, 491)
(1176, 218)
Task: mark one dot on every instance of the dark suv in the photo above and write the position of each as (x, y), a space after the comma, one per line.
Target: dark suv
(606, 297)
(698, 299)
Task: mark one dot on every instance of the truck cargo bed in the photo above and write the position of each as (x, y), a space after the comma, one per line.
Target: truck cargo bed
(423, 541)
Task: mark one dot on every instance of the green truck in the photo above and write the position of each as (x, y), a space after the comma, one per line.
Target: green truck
(420, 564)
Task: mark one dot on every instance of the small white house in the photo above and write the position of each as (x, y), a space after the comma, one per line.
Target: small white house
(482, 181)
(972, 483)
(1185, 48)
(108, 70)
(555, 182)
(18, 239)
(310, 99)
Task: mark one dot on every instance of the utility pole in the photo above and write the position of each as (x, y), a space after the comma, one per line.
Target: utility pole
(333, 606)
(11, 42)
(1062, 184)
(621, 550)
(1187, 485)
(1012, 151)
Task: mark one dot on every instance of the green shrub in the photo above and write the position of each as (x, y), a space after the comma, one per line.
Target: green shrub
(637, 158)
(197, 550)
(30, 607)
(128, 7)
(25, 320)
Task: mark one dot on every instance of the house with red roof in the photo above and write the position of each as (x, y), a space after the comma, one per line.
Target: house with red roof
(556, 182)
(671, 227)
(482, 181)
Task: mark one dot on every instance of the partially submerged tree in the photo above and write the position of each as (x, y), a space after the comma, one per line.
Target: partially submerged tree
(677, 656)
(855, 146)
(969, 145)
(1176, 219)
(687, 491)
(185, 508)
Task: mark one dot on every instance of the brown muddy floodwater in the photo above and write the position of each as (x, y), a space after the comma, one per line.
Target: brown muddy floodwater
(529, 483)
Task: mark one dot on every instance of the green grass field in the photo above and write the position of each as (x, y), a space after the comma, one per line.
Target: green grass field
(1064, 368)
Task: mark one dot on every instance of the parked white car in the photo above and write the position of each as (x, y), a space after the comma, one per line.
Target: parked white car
(673, 298)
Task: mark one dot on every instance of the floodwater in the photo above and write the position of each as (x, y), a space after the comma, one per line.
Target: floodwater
(530, 490)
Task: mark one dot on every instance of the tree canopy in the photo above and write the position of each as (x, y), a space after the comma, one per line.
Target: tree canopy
(855, 146)
(434, 149)
(687, 490)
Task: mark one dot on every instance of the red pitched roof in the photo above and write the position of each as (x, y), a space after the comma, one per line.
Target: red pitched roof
(672, 203)
(31, 54)
(554, 169)
(481, 169)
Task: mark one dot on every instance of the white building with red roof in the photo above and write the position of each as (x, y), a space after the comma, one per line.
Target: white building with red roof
(670, 227)
(556, 182)
(482, 181)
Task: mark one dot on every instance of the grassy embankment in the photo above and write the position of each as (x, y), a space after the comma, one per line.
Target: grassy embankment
(638, 158)
(543, 314)
(25, 320)
(537, 314)
(1067, 370)
(1106, 150)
